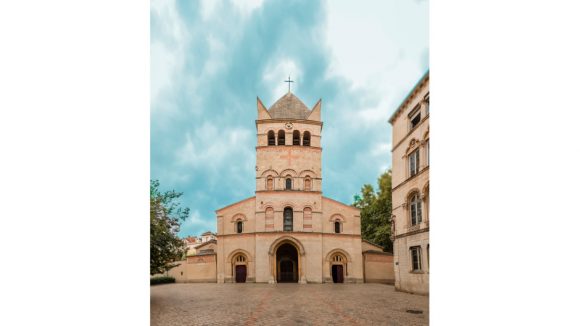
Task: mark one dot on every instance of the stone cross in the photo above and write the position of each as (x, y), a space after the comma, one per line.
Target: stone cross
(288, 81)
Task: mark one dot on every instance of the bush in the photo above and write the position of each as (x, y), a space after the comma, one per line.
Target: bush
(162, 280)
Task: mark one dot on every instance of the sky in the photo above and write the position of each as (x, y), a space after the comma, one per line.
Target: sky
(210, 59)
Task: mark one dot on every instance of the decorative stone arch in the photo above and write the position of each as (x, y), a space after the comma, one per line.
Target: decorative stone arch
(269, 172)
(290, 172)
(310, 173)
(239, 257)
(239, 217)
(409, 194)
(237, 252)
(301, 257)
(337, 256)
(413, 145)
(337, 217)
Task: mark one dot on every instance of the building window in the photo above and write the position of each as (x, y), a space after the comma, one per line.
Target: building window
(414, 163)
(240, 259)
(281, 138)
(271, 138)
(427, 151)
(337, 227)
(239, 226)
(415, 117)
(288, 219)
(426, 99)
(306, 139)
(288, 183)
(270, 183)
(416, 258)
(416, 216)
(307, 184)
(296, 138)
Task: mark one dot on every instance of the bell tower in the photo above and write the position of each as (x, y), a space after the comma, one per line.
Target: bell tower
(288, 166)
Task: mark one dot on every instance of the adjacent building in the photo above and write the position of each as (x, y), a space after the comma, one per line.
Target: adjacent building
(410, 220)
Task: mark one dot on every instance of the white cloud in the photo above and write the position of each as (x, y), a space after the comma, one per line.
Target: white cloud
(210, 147)
(277, 72)
(378, 46)
(197, 222)
(167, 52)
(246, 7)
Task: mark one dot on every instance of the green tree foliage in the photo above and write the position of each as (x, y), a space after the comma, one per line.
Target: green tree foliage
(376, 208)
(166, 215)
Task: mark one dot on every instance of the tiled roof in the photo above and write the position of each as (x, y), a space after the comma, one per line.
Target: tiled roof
(289, 107)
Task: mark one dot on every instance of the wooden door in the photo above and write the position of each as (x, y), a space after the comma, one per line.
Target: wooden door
(339, 274)
(240, 273)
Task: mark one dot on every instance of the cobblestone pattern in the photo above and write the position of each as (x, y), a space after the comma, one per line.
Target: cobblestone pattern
(285, 304)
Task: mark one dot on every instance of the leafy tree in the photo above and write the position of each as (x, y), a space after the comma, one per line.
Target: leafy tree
(376, 208)
(165, 213)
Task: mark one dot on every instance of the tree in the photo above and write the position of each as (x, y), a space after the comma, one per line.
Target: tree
(165, 214)
(376, 211)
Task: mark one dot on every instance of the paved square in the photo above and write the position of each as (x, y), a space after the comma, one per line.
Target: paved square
(285, 304)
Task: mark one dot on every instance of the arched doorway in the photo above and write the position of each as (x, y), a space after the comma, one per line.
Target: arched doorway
(287, 264)
(240, 269)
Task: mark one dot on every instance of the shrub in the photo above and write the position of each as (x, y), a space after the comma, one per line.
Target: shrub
(162, 280)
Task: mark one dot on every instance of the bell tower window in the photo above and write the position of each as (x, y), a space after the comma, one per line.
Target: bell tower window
(296, 138)
(281, 138)
(271, 138)
(306, 139)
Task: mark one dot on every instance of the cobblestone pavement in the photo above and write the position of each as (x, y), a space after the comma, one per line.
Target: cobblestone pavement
(285, 304)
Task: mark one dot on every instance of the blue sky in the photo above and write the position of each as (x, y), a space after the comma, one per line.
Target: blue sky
(210, 59)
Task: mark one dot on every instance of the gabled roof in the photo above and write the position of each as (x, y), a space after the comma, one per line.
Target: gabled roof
(289, 107)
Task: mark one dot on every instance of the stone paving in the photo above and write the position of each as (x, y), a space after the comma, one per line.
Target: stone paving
(285, 304)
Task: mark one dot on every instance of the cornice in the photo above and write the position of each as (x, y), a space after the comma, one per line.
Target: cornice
(310, 122)
(279, 233)
(410, 96)
(426, 168)
(289, 147)
(398, 236)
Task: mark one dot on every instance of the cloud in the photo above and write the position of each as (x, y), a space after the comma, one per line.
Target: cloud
(210, 59)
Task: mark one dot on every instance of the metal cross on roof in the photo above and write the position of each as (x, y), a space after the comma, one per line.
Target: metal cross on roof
(288, 81)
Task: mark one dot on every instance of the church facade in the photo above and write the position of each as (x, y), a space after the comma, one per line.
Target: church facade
(288, 231)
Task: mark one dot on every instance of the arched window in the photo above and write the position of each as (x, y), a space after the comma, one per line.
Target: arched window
(307, 184)
(281, 138)
(239, 226)
(288, 219)
(270, 183)
(416, 215)
(296, 138)
(288, 183)
(337, 227)
(271, 138)
(306, 139)
(338, 259)
(240, 259)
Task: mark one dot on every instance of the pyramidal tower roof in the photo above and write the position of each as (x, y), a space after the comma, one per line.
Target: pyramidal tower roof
(289, 107)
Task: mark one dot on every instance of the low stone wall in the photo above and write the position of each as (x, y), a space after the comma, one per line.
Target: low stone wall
(195, 269)
(378, 267)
